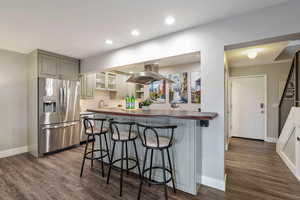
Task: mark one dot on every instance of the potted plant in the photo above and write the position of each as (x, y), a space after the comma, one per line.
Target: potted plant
(144, 105)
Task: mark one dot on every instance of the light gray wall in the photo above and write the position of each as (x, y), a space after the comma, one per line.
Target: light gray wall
(210, 40)
(13, 100)
(275, 73)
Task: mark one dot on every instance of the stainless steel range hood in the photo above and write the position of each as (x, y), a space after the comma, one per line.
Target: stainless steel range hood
(148, 76)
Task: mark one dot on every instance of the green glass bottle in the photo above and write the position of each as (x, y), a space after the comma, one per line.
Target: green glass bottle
(127, 102)
(132, 102)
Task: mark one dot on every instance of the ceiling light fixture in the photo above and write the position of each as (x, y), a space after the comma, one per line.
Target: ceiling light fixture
(135, 32)
(108, 41)
(169, 20)
(252, 53)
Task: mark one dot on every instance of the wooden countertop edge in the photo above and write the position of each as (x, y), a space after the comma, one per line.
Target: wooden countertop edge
(208, 117)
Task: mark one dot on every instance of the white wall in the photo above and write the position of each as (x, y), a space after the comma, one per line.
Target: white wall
(210, 39)
(276, 73)
(13, 100)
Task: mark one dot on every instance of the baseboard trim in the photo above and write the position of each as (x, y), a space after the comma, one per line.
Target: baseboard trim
(14, 151)
(271, 140)
(211, 182)
(288, 163)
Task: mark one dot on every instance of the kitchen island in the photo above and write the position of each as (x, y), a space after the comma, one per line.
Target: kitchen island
(183, 152)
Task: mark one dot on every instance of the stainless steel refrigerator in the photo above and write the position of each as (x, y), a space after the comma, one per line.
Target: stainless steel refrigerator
(59, 114)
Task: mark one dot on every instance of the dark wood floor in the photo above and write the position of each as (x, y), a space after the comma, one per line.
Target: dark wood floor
(254, 172)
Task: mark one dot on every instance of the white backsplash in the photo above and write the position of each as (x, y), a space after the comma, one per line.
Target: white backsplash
(108, 98)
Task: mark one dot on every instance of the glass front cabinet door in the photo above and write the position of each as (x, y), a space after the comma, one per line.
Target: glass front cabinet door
(101, 81)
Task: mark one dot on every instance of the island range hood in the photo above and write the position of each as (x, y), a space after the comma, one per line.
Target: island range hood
(149, 75)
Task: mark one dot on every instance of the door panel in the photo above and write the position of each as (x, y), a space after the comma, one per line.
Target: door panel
(59, 136)
(48, 66)
(71, 98)
(50, 102)
(248, 107)
(69, 70)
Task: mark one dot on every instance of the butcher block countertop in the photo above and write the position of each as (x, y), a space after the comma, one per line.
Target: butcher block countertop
(192, 115)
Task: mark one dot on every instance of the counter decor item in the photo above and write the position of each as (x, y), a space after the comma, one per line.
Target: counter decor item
(174, 105)
(144, 105)
(130, 102)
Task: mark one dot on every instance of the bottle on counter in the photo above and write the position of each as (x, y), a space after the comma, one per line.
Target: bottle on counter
(132, 102)
(127, 102)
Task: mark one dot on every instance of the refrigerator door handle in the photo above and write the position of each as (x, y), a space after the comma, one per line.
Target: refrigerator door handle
(72, 124)
(53, 127)
(60, 126)
(61, 96)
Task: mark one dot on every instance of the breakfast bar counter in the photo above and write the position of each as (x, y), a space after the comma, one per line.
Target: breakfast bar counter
(157, 113)
(187, 136)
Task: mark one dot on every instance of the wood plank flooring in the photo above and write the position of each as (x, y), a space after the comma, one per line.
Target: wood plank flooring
(254, 172)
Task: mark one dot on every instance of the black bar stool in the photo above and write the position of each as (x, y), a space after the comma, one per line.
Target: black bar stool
(93, 131)
(123, 137)
(153, 141)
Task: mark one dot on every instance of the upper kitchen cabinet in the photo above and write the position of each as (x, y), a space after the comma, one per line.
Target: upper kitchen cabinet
(106, 81)
(87, 83)
(111, 81)
(101, 81)
(52, 65)
(69, 69)
(48, 66)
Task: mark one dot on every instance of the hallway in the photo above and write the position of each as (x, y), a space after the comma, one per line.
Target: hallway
(255, 171)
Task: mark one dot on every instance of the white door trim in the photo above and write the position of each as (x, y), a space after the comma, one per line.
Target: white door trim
(266, 100)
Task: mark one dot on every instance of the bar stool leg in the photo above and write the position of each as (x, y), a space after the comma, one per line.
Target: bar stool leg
(93, 146)
(84, 155)
(137, 158)
(121, 180)
(142, 176)
(126, 158)
(107, 149)
(151, 161)
(164, 174)
(101, 154)
(110, 163)
(171, 169)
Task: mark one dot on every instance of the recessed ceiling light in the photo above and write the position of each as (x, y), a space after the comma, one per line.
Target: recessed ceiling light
(170, 20)
(135, 32)
(108, 41)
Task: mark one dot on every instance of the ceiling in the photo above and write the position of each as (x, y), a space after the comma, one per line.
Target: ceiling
(267, 55)
(163, 62)
(79, 28)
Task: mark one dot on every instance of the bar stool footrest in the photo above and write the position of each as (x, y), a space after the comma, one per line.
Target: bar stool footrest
(154, 182)
(96, 158)
(124, 159)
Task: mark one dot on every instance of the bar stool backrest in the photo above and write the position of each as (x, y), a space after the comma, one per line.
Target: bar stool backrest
(151, 132)
(116, 125)
(88, 125)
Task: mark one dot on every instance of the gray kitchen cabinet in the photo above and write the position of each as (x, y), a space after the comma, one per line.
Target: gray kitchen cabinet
(69, 70)
(88, 84)
(48, 66)
(53, 65)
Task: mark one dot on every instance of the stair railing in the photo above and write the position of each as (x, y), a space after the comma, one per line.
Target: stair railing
(290, 95)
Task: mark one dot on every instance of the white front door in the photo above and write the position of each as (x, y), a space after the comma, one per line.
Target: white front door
(248, 107)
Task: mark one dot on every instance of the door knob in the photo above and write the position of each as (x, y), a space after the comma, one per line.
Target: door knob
(298, 139)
